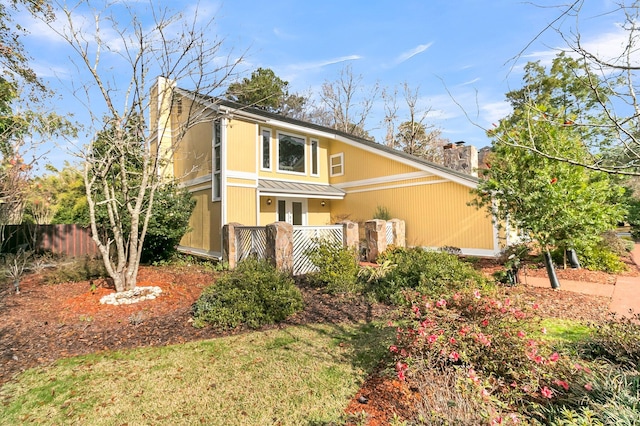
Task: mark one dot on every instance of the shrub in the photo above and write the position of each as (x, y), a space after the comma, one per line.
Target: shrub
(601, 258)
(489, 342)
(169, 221)
(382, 213)
(254, 294)
(616, 340)
(616, 244)
(337, 267)
(429, 272)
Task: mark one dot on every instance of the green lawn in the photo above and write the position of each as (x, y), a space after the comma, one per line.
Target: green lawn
(294, 376)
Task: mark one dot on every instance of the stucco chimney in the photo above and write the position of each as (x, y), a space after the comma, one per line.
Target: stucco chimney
(462, 158)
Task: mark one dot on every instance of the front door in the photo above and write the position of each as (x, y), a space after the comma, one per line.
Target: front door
(293, 211)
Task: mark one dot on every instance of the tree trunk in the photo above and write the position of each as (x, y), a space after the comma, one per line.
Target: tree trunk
(551, 271)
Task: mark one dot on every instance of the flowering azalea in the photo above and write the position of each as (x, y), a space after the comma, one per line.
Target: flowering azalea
(564, 385)
(554, 357)
(393, 348)
(588, 387)
(476, 294)
(454, 356)
(401, 367)
(546, 392)
(441, 303)
(521, 334)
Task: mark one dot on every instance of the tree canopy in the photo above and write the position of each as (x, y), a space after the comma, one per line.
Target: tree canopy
(265, 90)
(554, 202)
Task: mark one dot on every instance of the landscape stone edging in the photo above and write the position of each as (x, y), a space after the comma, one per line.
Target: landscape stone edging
(129, 297)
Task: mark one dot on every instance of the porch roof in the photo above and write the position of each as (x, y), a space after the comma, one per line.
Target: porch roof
(300, 189)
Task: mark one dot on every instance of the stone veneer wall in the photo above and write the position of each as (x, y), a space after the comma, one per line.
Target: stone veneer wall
(462, 158)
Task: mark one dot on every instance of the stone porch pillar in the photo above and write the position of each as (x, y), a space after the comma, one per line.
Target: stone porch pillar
(351, 234)
(375, 231)
(398, 227)
(280, 245)
(229, 252)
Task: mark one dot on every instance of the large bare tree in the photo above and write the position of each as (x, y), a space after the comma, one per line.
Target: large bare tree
(347, 103)
(414, 135)
(119, 53)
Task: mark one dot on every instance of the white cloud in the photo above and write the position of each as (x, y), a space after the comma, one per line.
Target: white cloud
(281, 34)
(405, 56)
(324, 63)
(492, 112)
(470, 82)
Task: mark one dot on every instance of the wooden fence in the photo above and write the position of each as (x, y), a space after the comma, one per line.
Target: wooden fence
(64, 240)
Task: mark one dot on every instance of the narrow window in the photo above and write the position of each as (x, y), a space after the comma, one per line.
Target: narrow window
(179, 105)
(282, 211)
(217, 161)
(314, 158)
(266, 149)
(336, 164)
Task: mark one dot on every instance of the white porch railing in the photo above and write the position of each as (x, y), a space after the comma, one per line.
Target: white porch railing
(306, 238)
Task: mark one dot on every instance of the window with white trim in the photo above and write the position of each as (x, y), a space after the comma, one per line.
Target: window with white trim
(315, 158)
(216, 175)
(336, 165)
(265, 149)
(291, 153)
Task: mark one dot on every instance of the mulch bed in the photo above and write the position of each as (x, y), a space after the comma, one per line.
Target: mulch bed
(48, 322)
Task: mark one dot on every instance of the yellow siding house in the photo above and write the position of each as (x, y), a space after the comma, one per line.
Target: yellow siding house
(252, 167)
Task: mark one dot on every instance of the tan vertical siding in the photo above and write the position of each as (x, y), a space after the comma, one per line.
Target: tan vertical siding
(267, 212)
(317, 214)
(241, 146)
(360, 164)
(193, 156)
(436, 215)
(241, 205)
(205, 224)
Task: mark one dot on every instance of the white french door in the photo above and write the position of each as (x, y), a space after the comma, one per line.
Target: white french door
(292, 210)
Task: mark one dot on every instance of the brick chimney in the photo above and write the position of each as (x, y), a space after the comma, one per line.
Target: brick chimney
(462, 158)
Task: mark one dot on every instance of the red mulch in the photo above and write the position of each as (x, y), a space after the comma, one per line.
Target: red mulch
(47, 322)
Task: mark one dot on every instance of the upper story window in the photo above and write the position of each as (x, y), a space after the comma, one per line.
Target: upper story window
(216, 173)
(291, 154)
(265, 147)
(336, 164)
(314, 158)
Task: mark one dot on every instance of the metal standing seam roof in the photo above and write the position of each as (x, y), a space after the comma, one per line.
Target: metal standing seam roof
(299, 188)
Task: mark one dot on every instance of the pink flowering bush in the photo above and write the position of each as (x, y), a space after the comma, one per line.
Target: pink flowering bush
(491, 341)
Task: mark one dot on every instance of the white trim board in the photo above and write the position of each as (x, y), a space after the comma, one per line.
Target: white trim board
(383, 179)
(402, 185)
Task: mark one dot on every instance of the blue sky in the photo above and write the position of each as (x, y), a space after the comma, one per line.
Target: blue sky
(456, 52)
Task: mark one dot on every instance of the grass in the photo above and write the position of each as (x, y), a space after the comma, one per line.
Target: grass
(295, 376)
(565, 331)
